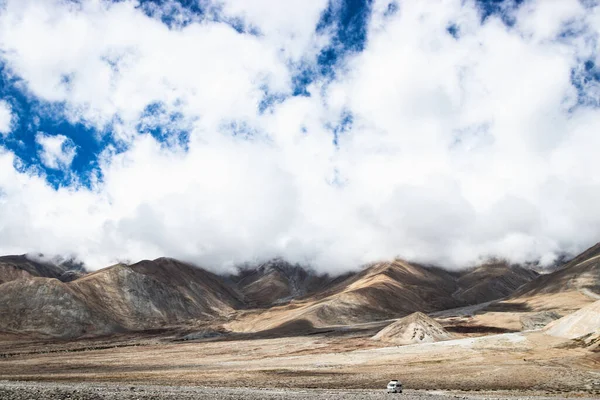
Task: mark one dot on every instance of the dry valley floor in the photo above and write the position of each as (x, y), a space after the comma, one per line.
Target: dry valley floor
(523, 362)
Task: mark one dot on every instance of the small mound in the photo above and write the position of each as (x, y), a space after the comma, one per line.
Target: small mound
(583, 322)
(413, 329)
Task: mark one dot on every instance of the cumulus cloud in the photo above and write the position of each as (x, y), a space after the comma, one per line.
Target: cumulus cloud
(447, 139)
(57, 152)
(6, 117)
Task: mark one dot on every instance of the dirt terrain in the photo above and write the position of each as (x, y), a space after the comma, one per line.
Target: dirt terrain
(85, 391)
(530, 361)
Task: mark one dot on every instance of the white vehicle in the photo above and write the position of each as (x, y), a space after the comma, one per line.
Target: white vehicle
(395, 386)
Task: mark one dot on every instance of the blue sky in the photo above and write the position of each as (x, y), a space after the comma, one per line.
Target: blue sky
(382, 118)
(345, 21)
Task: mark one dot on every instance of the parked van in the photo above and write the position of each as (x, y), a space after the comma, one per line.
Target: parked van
(395, 386)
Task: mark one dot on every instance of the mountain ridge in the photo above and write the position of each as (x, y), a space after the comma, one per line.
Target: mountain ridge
(145, 295)
(165, 292)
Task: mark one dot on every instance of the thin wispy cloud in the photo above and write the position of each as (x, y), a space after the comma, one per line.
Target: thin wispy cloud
(333, 133)
(6, 117)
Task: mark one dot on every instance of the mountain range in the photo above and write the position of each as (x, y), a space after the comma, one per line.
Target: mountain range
(64, 301)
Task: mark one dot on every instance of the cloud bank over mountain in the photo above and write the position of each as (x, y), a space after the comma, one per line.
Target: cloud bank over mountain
(331, 133)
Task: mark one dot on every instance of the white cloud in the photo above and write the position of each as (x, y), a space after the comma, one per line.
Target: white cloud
(111, 59)
(292, 31)
(6, 117)
(458, 148)
(57, 151)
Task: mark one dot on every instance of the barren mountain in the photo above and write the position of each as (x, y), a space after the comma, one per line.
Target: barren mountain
(277, 282)
(382, 291)
(145, 295)
(556, 294)
(565, 290)
(580, 274)
(386, 290)
(23, 267)
(274, 295)
(51, 307)
(413, 329)
(492, 281)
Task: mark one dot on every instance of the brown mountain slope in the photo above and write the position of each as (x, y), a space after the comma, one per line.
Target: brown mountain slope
(23, 267)
(492, 281)
(151, 294)
(581, 273)
(382, 291)
(145, 295)
(278, 282)
(20, 267)
(50, 307)
(565, 290)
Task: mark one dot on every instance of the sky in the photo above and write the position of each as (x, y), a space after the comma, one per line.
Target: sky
(329, 133)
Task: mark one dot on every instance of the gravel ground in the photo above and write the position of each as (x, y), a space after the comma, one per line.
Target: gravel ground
(87, 391)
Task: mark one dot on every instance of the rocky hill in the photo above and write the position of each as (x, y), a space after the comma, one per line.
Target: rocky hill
(413, 329)
(277, 282)
(146, 295)
(23, 267)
